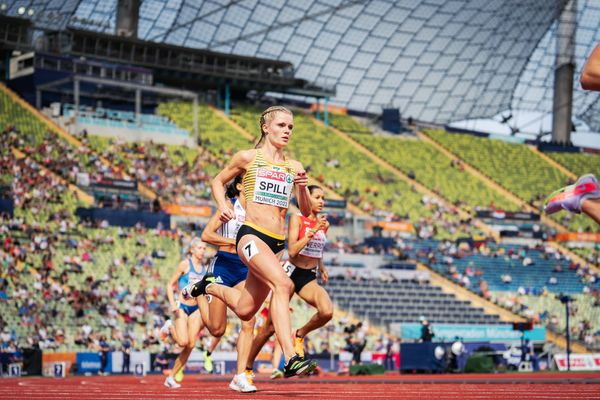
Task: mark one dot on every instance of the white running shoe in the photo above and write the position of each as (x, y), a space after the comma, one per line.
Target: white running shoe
(171, 384)
(240, 383)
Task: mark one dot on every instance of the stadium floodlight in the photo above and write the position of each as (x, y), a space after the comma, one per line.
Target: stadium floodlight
(21, 10)
(30, 12)
(3, 7)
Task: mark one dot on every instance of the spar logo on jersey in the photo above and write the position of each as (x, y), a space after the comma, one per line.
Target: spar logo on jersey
(273, 175)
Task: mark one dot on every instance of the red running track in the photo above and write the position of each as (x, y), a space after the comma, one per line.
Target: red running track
(473, 386)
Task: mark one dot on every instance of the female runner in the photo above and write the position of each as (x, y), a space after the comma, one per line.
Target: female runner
(269, 177)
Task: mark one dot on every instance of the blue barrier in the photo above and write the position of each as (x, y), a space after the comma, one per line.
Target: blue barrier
(473, 333)
(421, 356)
(560, 148)
(88, 363)
(9, 358)
(126, 218)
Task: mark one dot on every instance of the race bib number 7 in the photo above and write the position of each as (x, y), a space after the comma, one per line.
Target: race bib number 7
(250, 250)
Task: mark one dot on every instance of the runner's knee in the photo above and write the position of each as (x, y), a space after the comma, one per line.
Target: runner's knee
(248, 326)
(285, 287)
(326, 313)
(182, 340)
(246, 313)
(217, 331)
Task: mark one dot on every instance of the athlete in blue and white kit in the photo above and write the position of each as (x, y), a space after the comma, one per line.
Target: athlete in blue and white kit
(230, 271)
(187, 315)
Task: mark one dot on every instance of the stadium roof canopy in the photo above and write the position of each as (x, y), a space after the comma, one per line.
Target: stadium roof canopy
(436, 60)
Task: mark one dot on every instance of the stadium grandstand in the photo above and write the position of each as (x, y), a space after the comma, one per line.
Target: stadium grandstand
(436, 129)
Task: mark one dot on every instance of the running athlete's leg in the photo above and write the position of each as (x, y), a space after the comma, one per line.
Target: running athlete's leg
(245, 303)
(214, 343)
(245, 338)
(214, 315)
(263, 263)
(276, 360)
(591, 207)
(208, 364)
(180, 335)
(315, 295)
(205, 312)
(194, 324)
(262, 336)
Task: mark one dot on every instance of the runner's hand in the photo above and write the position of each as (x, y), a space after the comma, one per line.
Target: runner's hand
(324, 275)
(226, 214)
(301, 179)
(323, 223)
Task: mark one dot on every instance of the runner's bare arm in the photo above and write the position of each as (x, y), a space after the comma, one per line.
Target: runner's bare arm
(295, 246)
(236, 166)
(210, 235)
(590, 75)
(173, 284)
(323, 271)
(302, 195)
